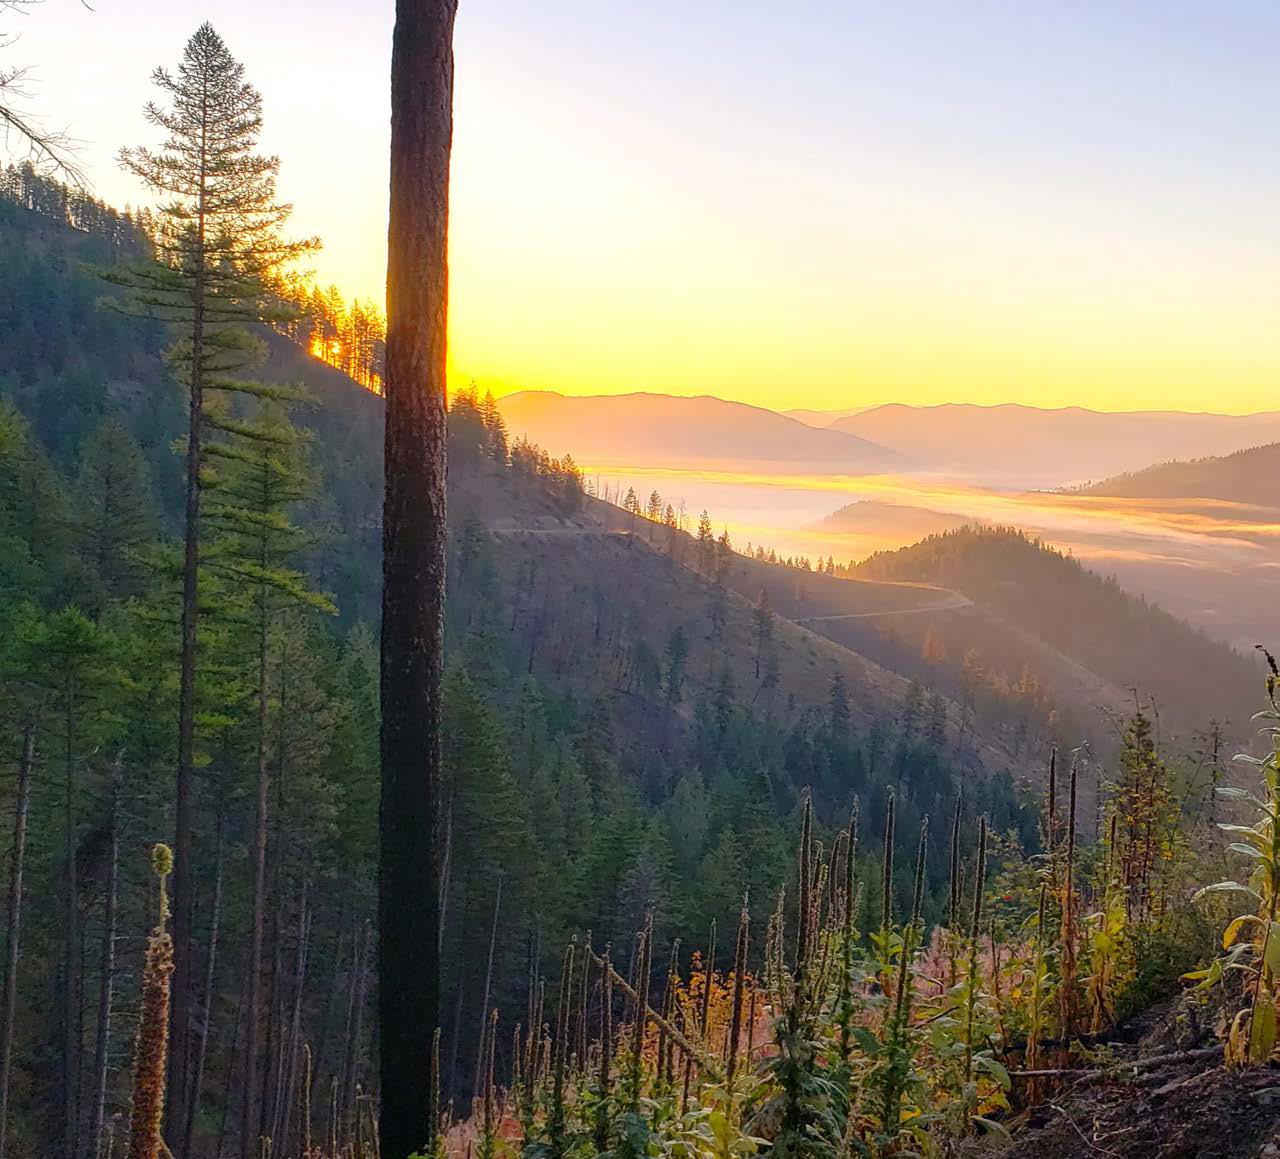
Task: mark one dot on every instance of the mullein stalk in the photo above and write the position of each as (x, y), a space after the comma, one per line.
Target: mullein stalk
(739, 983)
(662, 1064)
(886, 905)
(953, 898)
(643, 952)
(1035, 1031)
(433, 1108)
(489, 1135)
(1051, 817)
(898, 1036)
(560, 1051)
(306, 1101)
(153, 1027)
(1067, 989)
(1001, 1024)
(971, 998)
(849, 897)
(806, 886)
(584, 995)
(835, 898)
(606, 1052)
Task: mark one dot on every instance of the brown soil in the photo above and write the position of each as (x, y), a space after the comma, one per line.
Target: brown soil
(1184, 1108)
(1177, 1112)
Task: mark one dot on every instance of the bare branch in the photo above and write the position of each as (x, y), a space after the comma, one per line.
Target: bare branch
(47, 149)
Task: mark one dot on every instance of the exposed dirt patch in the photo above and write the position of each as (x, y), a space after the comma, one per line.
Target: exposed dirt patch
(1184, 1110)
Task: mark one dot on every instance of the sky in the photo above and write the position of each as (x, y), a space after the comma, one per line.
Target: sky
(823, 203)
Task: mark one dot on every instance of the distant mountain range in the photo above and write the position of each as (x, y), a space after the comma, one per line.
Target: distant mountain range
(1004, 446)
(1023, 446)
(643, 430)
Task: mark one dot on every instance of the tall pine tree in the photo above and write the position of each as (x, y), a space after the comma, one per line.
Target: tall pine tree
(219, 248)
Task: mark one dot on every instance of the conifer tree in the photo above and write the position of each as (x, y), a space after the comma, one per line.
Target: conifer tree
(115, 521)
(261, 479)
(762, 619)
(219, 248)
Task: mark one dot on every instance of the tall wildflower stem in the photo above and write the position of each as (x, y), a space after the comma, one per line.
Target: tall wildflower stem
(805, 899)
(606, 1051)
(643, 951)
(846, 938)
(898, 1029)
(739, 984)
(953, 893)
(153, 1027)
(975, 929)
(1067, 990)
(886, 905)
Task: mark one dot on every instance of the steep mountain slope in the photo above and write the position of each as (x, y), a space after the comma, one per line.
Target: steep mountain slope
(623, 732)
(1250, 476)
(662, 430)
(593, 610)
(1026, 446)
(1036, 607)
(870, 630)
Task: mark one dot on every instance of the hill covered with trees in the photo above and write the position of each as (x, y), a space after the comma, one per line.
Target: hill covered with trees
(1036, 598)
(622, 729)
(634, 713)
(1250, 476)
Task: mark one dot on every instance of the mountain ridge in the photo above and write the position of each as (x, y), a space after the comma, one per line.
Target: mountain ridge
(647, 428)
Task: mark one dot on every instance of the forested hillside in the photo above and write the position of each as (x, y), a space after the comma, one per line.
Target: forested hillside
(1041, 597)
(623, 730)
(1250, 476)
(633, 712)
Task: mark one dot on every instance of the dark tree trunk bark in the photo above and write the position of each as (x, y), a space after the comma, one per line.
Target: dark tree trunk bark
(253, 1001)
(106, 974)
(71, 1043)
(291, 1046)
(184, 804)
(210, 974)
(413, 537)
(477, 1084)
(355, 1023)
(13, 939)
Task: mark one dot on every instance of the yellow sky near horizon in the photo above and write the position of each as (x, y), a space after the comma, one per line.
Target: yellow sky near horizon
(828, 207)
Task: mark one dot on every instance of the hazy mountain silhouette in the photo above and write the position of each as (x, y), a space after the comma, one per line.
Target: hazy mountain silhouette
(706, 432)
(1026, 446)
(867, 515)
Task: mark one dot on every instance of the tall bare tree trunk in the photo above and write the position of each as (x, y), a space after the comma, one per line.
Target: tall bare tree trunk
(210, 974)
(253, 1000)
(13, 939)
(184, 804)
(106, 973)
(476, 1088)
(413, 569)
(286, 1120)
(71, 1042)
